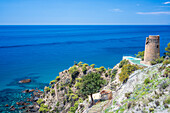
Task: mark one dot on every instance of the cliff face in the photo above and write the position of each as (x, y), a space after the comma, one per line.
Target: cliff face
(63, 93)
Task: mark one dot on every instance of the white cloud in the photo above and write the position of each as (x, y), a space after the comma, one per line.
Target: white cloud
(167, 2)
(116, 10)
(152, 13)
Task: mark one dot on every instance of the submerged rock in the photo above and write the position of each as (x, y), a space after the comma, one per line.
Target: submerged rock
(25, 81)
(6, 105)
(25, 91)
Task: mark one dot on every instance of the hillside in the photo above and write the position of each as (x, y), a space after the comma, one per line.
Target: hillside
(143, 89)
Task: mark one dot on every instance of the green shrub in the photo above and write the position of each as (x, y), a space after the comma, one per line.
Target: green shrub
(57, 104)
(56, 109)
(160, 60)
(156, 61)
(47, 89)
(93, 65)
(109, 72)
(52, 92)
(126, 71)
(73, 109)
(85, 64)
(164, 85)
(80, 64)
(77, 85)
(70, 90)
(80, 100)
(123, 62)
(166, 62)
(106, 75)
(84, 69)
(58, 78)
(167, 100)
(147, 80)
(151, 109)
(73, 96)
(74, 72)
(128, 94)
(52, 82)
(153, 62)
(78, 79)
(167, 71)
(114, 72)
(44, 108)
(140, 55)
(52, 85)
(102, 69)
(40, 100)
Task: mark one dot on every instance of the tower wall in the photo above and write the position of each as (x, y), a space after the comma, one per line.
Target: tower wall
(152, 49)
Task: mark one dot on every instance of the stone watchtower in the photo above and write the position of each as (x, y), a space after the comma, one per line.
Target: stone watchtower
(152, 49)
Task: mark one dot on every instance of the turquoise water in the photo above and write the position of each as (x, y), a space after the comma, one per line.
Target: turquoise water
(135, 60)
(131, 58)
(41, 52)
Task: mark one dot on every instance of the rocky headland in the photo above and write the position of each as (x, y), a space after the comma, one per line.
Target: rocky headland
(133, 89)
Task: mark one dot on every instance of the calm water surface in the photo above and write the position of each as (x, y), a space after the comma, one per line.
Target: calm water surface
(41, 52)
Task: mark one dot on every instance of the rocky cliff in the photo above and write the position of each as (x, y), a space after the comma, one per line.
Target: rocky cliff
(63, 95)
(143, 90)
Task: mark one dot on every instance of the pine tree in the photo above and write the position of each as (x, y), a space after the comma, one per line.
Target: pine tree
(168, 50)
(92, 83)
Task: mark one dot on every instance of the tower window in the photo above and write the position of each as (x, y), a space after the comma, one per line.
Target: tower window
(157, 46)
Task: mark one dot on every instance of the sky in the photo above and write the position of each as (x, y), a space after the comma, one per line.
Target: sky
(84, 12)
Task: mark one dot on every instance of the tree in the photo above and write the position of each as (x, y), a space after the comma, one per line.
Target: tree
(91, 84)
(140, 55)
(168, 50)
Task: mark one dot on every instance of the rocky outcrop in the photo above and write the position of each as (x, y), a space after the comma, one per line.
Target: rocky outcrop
(62, 95)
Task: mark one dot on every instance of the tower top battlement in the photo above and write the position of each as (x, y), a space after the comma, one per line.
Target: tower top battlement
(153, 36)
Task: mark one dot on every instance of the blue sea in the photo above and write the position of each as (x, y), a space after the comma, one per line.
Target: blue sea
(41, 52)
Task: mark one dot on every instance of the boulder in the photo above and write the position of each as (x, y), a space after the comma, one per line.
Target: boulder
(31, 107)
(22, 107)
(35, 99)
(20, 103)
(12, 109)
(26, 103)
(25, 91)
(25, 81)
(106, 95)
(6, 105)
(31, 90)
